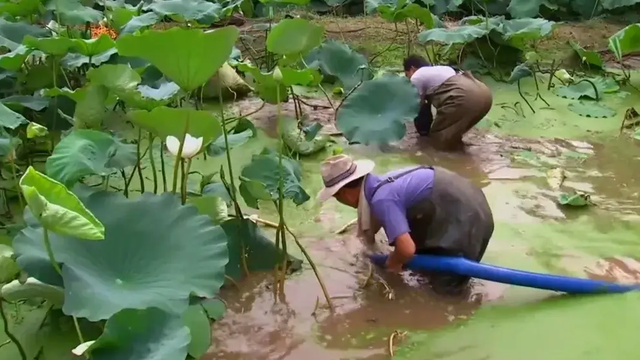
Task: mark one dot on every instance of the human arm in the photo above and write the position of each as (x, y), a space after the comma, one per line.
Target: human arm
(393, 219)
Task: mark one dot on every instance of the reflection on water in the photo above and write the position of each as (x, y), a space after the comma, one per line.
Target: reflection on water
(532, 232)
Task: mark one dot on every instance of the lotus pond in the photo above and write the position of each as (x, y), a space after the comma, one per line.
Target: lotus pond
(160, 161)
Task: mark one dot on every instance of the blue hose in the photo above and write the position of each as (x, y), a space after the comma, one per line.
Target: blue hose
(462, 266)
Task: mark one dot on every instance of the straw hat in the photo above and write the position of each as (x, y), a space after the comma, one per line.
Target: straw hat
(339, 170)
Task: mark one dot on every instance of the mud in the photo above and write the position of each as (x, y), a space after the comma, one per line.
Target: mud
(533, 232)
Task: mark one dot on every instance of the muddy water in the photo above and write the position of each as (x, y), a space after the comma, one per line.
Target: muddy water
(532, 232)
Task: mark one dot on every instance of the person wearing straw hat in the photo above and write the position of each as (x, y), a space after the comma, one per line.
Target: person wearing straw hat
(422, 209)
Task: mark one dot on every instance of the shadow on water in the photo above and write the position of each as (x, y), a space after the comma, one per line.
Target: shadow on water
(533, 232)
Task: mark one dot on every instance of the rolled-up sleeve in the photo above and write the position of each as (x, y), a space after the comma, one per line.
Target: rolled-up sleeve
(392, 217)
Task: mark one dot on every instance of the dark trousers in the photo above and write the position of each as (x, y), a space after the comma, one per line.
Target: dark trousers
(424, 119)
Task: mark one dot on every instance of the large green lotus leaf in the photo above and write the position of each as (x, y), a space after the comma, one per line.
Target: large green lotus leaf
(260, 253)
(267, 86)
(376, 112)
(519, 32)
(148, 334)
(57, 46)
(204, 12)
(36, 103)
(337, 59)
(589, 56)
(88, 152)
(215, 308)
(73, 13)
(197, 320)
(155, 254)
(213, 206)
(264, 168)
(22, 8)
(163, 121)
(191, 61)
(93, 47)
(120, 16)
(139, 22)
(8, 267)
(32, 289)
(591, 109)
(13, 33)
(456, 35)
(57, 209)
(614, 4)
(73, 61)
(294, 37)
(13, 60)
(625, 41)
(524, 8)
(499, 332)
(241, 133)
(9, 118)
(118, 77)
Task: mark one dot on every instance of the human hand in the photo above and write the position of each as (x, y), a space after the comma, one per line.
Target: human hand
(392, 266)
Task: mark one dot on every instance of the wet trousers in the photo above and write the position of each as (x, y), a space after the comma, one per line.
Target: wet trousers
(461, 102)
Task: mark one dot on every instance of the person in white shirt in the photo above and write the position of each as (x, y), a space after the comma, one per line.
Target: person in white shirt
(460, 101)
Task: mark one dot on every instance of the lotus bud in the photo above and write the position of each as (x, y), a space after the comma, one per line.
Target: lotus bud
(36, 130)
(191, 146)
(277, 74)
(563, 75)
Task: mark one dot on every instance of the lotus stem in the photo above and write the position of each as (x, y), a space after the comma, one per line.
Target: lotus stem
(15, 176)
(162, 167)
(153, 164)
(79, 332)
(326, 95)
(185, 180)
(280, 232)
(47, 246)
(140, 176)
(12, 338)
(176, 164)
(524, 98)
(314, 267)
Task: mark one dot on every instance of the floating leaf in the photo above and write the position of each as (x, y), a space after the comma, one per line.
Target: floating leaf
(574, 199)
(57, 209)
(143, 261)
(294, 37)
(88, 152)
(376, 112)
(197, 320)
(260, 253)
(190, 63)
(591, 109)
(264, 168)
(163, 121)
(148, 334)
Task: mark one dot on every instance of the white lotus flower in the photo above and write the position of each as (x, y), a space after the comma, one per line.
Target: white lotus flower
(191, 146)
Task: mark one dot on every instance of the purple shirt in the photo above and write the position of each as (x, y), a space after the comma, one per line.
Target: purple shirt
(390, 203)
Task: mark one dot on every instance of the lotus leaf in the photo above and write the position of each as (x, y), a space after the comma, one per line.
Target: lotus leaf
(148, 334)
(260, 253)
(241, 133)
(13, 60)
(13, 33)
(396, 11)
(36, 103)
(88, 152)
(204, 12)
(614, 4)
(264, 168)
(625, 41)
(57, 209)
(8, 143)
(591, 109)
(458, 35)
(52, 46)
(296, 139)
(73, 13)
(591, 88)
(163, 121)
(215, 308)
(33, 288)
(93, 47)
(8, 267)
(591, 57)
(577, 199)
(524, 8)
(197, 320)
(119, 77)
(518, 32)
(23, 8)
(212, 206)
(74, 60)
(190, 63)
(267, 86)
(9, 118)
(337, 59)
(143, 261)
(294, 37)
(138, 22)
(376, 112)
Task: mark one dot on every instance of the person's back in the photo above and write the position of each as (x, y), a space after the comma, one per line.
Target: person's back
(427, 78)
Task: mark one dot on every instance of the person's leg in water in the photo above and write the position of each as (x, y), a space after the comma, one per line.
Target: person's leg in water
(424, 119)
